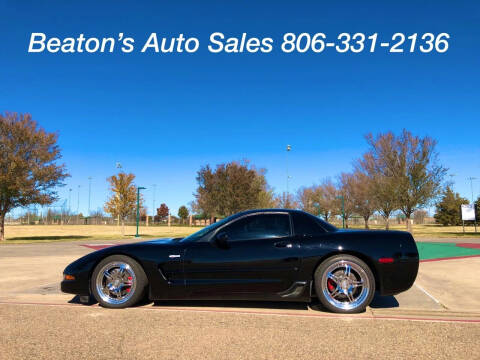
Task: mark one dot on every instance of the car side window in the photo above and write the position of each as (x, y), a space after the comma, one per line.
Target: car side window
(305, 225)
(262, 226)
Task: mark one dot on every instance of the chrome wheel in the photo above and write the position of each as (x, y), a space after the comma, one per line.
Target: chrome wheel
(345, 285)
(116, 282)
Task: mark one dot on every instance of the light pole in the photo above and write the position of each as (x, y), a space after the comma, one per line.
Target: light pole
(471, 185)
(452, 176)
(343, 210)
(138, 207)
(289, 148)
(153, 205)
(78, 199)
(89, 192)
(69, 200)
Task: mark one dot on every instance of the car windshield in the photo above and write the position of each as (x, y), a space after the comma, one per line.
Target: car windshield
(197, 235)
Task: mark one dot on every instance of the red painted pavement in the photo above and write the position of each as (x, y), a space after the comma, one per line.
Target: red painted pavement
(469, 245)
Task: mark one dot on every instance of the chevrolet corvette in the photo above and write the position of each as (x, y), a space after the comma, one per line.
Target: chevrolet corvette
(270, 254)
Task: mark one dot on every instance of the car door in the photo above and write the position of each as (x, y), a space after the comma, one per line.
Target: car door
(260, 259)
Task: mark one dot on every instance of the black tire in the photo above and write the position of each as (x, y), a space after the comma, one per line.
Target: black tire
(346, 295)
(138, 279)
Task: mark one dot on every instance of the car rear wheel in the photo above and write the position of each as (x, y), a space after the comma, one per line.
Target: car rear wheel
(344, 284)
(118, 282)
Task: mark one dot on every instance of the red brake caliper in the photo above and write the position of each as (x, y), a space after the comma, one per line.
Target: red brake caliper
(331, 285)
(130, 288)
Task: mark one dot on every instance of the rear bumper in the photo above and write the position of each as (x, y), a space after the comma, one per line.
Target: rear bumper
(398, 277)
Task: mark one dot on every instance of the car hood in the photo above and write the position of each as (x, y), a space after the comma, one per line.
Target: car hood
(163, 241)
(90, 259)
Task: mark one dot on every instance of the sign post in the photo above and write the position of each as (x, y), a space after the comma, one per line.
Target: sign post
(468, 214)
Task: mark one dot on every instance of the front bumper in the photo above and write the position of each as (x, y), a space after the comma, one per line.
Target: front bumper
(80, 270)
(77, 286)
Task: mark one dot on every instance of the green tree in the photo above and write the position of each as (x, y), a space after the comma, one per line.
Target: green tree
(477, 209)
(230, 188)
(123, 201)
(183, 213)
(448, 208)
(29, 172)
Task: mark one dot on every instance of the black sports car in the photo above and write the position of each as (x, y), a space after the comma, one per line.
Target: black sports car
(272, 254)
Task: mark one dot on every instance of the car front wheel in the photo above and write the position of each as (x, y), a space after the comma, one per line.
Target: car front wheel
(344, 284)
(118, 282)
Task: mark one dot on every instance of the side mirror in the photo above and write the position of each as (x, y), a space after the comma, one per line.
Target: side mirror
(221, 239)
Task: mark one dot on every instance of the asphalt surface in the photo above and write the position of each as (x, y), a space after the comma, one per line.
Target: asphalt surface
(430, 321)
(74, 332)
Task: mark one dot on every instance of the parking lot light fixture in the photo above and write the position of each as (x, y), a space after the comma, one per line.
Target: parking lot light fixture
(289, 148)
(138, 207)
(471, 186)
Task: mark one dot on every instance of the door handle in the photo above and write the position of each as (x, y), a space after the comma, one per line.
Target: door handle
(283, 244)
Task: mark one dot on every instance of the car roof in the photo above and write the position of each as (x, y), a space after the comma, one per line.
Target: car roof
(268, 210)
(327, 226)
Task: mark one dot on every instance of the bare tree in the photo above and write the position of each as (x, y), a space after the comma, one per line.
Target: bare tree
(29, 173)
(327, 199)
(346, 190)
(307, 199)
(419, 216)
(319, 199)
(362, 189)
(385, 187)
(412, 164)
(285, 201)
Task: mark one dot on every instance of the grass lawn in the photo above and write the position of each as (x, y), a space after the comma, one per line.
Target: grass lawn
(49, 233)
(431, 230)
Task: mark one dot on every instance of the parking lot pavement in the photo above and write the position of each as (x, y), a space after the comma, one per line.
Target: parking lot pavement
(453, 283)
(31, 273)
(79, 332)
(38, 321)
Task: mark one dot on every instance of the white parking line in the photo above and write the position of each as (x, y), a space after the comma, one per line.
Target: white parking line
(430, 295)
